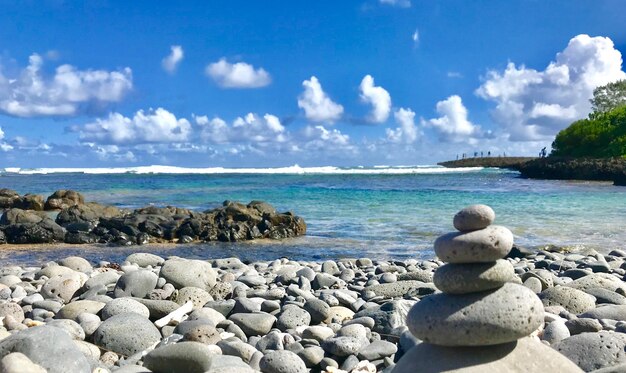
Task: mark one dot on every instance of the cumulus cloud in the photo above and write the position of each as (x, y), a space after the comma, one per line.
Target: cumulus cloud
(154, 126)
(69, 92)
(378, 97)
(453, 124)
(258, 129)
(237, 75)
(398, 3)
(170, 63)
(317, 106)
(536, 104)
(406, 132)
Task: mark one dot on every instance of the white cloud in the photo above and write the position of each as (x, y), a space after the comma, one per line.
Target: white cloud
(378, 97)
(398, 3)
(534, 105)
(258, 129)
(317, 106)
(68, 92)
(237, 75)
(416, 36)
(170, 63)
(1, 133)
(212, 130)
(407, 132)
(453, 124)
(152, 127)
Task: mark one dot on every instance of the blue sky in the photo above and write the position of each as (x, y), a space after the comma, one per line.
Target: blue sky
(263, 84)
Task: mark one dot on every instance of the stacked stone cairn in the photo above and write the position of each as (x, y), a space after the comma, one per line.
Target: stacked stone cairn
(483, 317)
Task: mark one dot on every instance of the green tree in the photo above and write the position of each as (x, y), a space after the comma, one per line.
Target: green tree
(602, 135)
(608, 97)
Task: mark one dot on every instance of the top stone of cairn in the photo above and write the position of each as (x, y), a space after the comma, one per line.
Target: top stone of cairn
(473, 218)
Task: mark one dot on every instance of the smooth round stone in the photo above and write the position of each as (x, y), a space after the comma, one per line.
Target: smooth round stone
(525, 355)
(282, 361)
(311, 355)
(62, 286)
(612, 312)
(50, 347)
(126, 334)
(342, 346)
(189, 357)
(76, 263)
(594, 350)
(71, 327)
(485, 245)
(555, 331)
(207, 313)
(573, 300)
(124, 305)
(137, 283)
(17, 362)
(474, 277)
(378, 350)
(145, 259)
(183, 272)
(473, 218)
(72, 310)
(257, 323)
(319, 310)
(478, 319)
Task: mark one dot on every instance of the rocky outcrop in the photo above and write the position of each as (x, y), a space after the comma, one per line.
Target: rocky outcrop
(498, 162)
(83, 223)
(11, 199)
(62, 199)
(607, 169)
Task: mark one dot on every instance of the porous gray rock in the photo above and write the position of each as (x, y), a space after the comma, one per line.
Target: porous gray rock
(598, 280)
(76, 263)
(292, 316)
(126, 334)
(50, 347)
(396, 289)
(377, 350)
(62, 287)
(481, 246)
(318, 309)
(555, 331)
(13, 310)
(189, 357)
(124, 305)
(473, 218)
(594, 350)
(197, 296)
(474, 277)
(343, 346)
(389, 316)
(573, 300)
(524, 355)
(478, 319)
(183, 272)
(282, 361)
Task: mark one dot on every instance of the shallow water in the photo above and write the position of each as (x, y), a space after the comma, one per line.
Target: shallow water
(378, 214)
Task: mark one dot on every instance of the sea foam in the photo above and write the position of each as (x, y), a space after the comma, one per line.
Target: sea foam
(295, 169)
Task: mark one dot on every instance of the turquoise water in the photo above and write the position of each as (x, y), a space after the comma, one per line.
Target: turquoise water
(380, 214)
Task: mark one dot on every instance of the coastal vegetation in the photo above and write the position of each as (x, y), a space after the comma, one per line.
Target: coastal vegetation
(603, 134)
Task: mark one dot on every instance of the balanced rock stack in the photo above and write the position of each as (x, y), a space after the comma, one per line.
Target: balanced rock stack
(481, 320)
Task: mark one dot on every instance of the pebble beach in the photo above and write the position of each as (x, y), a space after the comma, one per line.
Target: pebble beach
(170, 314)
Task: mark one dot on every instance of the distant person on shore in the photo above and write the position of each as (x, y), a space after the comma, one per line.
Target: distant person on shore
(542, 153)
(489, 153)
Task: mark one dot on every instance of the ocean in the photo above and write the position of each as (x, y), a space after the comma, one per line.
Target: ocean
(379, 212)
